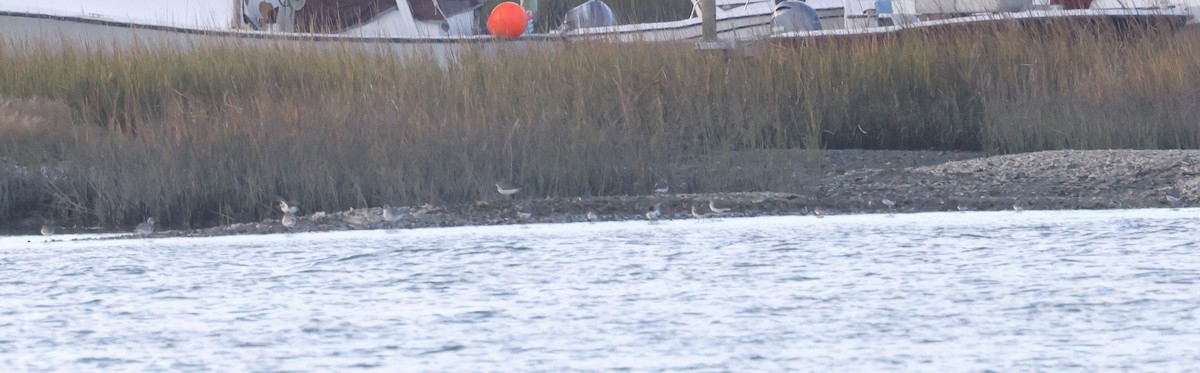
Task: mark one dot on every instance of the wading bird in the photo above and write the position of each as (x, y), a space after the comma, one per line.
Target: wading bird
(391, 214)
(48, 228)
(145, 228)
(524, 213)
(655, 212)
(889, 203)
(289, 219)
(1175, 202)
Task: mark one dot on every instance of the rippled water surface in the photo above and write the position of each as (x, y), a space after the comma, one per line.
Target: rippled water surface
(1055, 291)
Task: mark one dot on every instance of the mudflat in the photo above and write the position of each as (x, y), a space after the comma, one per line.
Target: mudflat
(788, 182)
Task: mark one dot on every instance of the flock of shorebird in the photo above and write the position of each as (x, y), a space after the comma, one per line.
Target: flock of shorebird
(525, 213)
(145, 228)
(662, 187)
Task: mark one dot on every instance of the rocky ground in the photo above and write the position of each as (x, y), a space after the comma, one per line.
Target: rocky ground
(845, 182)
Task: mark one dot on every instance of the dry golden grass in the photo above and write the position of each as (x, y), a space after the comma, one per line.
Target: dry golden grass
(209, 136)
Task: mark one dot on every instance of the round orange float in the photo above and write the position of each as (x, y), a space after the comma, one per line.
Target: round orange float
(508, 20)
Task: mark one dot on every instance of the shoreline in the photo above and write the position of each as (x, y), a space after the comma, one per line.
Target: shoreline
(847, 182)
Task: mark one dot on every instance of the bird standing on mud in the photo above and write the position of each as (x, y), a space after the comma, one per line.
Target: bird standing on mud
(48, 229)
(1175, 202)
(696, 214)
(655, 212)
(525, 213)
(145, 228)
(289, 219)
(289, 214)
(889, 203)
(391, 214)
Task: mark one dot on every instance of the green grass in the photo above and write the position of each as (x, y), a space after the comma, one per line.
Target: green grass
(208, 136)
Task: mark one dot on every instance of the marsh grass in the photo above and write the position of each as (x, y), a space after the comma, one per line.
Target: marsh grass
(208, 136)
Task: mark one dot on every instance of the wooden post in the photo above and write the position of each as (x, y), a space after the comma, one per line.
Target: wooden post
(709, 10)
(708, 40)
(236, 22)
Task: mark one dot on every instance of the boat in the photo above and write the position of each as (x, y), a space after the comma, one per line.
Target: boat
(797, 21)
(445, 28)
(56, 25)
(736, 20)
(404, 26)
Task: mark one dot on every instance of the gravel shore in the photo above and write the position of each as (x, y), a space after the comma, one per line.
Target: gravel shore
(845, 182)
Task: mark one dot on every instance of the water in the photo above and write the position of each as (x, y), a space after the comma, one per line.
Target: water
(1055, 291)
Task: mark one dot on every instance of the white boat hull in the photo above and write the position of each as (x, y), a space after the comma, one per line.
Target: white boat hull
(751, 24)
(57, 32)
(1175, 16)
(61, 32)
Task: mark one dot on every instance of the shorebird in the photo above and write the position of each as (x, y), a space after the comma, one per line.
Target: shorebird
(284, 206)
(655, 212)
(1017, 207)
(289, 220)
(592, 217)
(145, 228)
(1175, 202)
(962, 208)
(48, 229)
(889, 203)
(818, 212)
(524, 213)
(391, 214)
(506, 188)
(697, 214)
(716, 210)
(661, 187)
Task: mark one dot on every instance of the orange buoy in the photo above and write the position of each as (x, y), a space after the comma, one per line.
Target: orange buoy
(508, 20)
